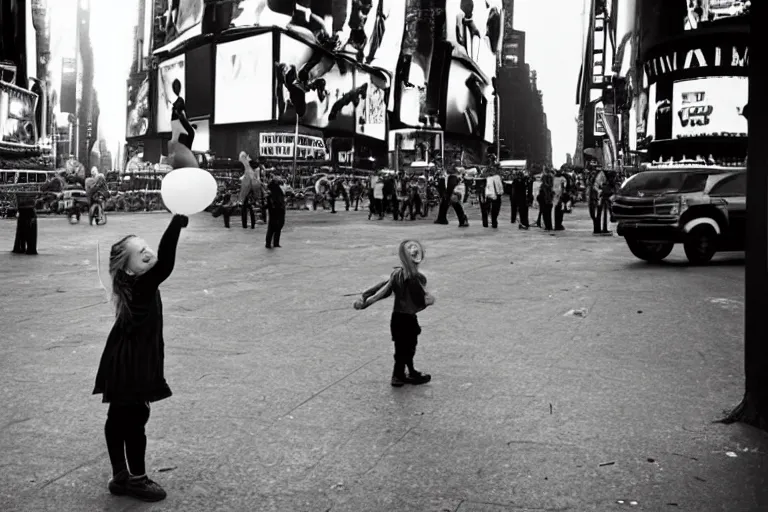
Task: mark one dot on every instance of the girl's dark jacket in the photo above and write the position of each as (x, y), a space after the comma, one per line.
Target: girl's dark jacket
(132, 365)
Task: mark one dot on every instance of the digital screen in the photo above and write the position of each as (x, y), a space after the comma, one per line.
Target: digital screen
(325, 85)
(371, 119)
(712, 106)
(701, 13)
(167, 72)
(244, 71)
(469, 104)
(411, 98)
(138, 108)
(181, 21)
(475, 27)
(17, 115)
(371, 31)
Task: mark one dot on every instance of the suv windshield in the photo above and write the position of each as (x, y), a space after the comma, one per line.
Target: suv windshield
(665, 182)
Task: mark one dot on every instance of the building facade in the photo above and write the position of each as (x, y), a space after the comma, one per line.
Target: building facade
(403, 81)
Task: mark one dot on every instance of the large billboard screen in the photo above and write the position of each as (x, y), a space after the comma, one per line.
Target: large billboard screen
(712, 106)
(475, 27)
(167, 73)
(325, 86)
(138, 108)
(244, 70)
(371, 118)
(702, 13)
(469, 103)
(412, 99)
(181, 20)
(17, 115)
(371, 31)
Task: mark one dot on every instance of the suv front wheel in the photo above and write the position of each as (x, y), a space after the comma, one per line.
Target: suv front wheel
(652, 252)
(701, 245)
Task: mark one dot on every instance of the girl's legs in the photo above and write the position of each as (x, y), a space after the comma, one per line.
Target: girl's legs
(126, 440)
(405, 349)
(280, 222)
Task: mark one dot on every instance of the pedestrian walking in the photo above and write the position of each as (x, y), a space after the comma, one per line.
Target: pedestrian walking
(251, 191)
(546, 198)
(131, 370)
(559, 196)
(490, 199)
(518, 198)
(276, 206)
(376, 206)
(407, 284)
(447, 186)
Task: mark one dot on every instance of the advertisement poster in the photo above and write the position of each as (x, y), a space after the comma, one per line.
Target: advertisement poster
(409, 92)
(469, 104)
(598, 124)
(167, 72)
(181, 20)
(17, 115)
(711, 106)
(323, 84)
(475, 27)
(370, 31)
(371, 119)
(700, 13)
(660, 111)
(244, 80)
(138, 109)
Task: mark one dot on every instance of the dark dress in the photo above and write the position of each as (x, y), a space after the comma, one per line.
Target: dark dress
(132, 365)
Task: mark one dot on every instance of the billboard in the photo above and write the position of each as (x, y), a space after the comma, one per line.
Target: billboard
(324, 84)
(475, 28)
(710, 107)
(370, 31)
(167, 72)
(182, 20)
(244, 70)
(469, 103)
(371, 118)
(702, 13)
(138, 109)
(17, 115)
(280, 145)
(413, 97)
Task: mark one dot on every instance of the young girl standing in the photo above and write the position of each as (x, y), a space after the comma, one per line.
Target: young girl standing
(130, 374)
(407, 283)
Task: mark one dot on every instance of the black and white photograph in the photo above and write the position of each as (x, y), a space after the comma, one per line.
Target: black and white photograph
(383, 256)
(138, 108)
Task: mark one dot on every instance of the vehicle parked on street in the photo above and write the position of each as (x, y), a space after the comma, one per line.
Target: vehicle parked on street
(702, 207)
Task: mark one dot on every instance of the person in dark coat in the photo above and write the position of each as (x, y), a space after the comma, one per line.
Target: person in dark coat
(131, 371)
(276, 206)
(390, 196)
(446, 187)
(338, 190)
(26, 224)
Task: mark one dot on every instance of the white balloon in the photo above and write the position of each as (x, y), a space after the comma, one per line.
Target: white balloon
(188, 191)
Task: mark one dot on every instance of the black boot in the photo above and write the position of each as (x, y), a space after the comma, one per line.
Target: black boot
(20, 242)
(32, 234)
(398, 374)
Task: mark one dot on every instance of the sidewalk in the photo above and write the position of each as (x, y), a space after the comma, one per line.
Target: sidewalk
(281, 390)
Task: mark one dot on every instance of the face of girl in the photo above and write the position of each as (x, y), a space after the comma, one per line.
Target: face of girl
(140, 257)
(415, 251)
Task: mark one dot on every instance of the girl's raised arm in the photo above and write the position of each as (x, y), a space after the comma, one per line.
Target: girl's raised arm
(166, 253)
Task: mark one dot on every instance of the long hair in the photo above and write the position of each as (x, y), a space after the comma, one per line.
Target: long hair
(410, 267)
(121, 281)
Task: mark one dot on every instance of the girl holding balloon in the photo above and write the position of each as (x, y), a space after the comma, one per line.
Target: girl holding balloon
(407, 284)
(131, 371)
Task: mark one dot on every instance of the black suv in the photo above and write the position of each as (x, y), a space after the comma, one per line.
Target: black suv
(702, 207)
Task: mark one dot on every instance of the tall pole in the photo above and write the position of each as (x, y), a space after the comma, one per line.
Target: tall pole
(498, 127)
(295, 152)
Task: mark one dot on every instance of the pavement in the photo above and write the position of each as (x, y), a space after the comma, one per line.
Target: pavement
(567, 375)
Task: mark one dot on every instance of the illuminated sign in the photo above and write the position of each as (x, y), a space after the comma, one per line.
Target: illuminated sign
(711, 106)
(280, 145)
(734, 56)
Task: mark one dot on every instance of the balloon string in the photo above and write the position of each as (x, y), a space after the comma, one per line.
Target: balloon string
(98, 270)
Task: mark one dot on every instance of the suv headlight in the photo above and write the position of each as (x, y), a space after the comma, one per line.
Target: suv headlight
(680, 207)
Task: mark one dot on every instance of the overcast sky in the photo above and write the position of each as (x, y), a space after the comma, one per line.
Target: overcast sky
(553, 48)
